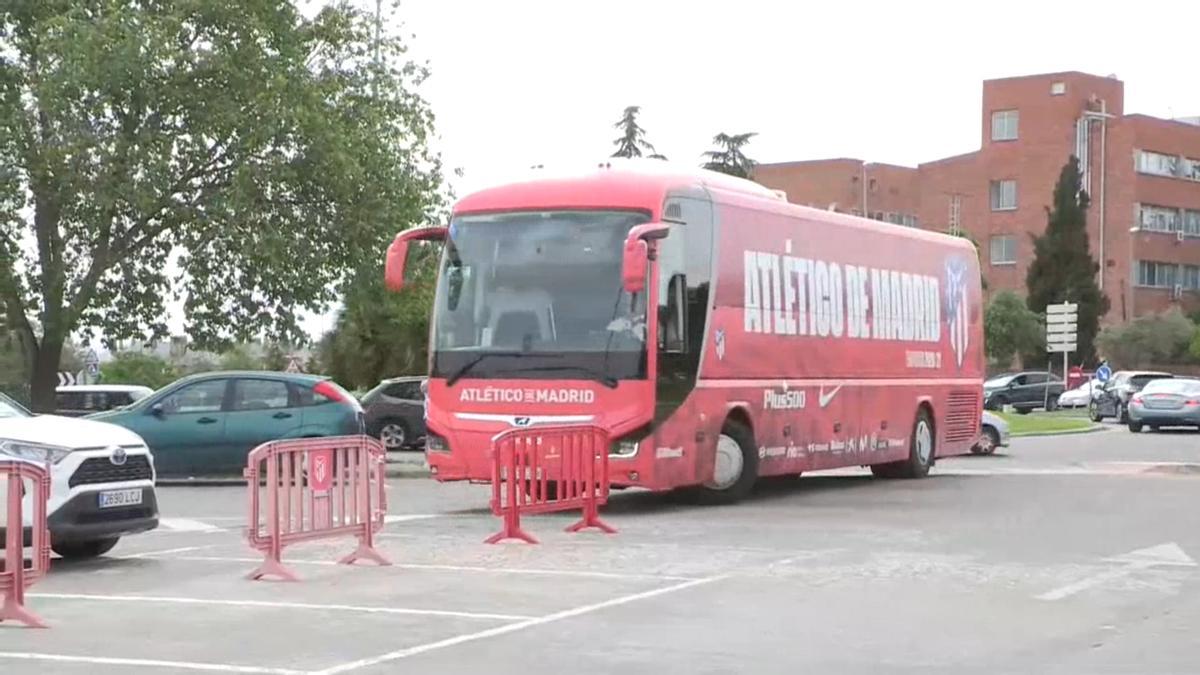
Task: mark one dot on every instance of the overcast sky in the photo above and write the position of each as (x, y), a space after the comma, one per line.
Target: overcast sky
(522, 82)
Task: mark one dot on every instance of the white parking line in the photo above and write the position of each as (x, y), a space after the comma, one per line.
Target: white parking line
(513, 627)
(449, 568)
(187, 525)
(485, 616)
(154, 554)
(147, 663)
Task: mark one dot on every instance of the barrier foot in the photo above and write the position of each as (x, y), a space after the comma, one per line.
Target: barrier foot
(365, 552)
(11, 611)
(585, 523)
(513, 533)
(272, 568)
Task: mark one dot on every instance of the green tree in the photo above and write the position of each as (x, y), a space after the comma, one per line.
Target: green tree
(729, 157)
(239, 357)
(632, 140)
(1063, 269)
(138, 368)
(379, 334)
(978, 254)
(1154, 340)
(275, 358)
(264, 153)
(1010, 328)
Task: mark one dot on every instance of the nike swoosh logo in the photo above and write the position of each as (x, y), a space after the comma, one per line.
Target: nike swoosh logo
(825, 397)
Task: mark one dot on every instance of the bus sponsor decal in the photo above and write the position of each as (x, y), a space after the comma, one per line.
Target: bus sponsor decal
(957, 318)
(786, 295)
(794, 399)
(507, 395)
(668, 453)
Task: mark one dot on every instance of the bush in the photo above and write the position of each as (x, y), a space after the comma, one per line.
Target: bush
(1166, 338)
(1010, 328)
(138, 368)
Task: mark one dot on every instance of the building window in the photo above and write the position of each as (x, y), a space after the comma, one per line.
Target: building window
(955, 214)
(909, 221)
(1157, 163)
(1156, 274)
(1190, 168)
(1158, 218)
(1004, 195)
(1058, 88)
(1004, 125)
(1191, 223)
(1004, 249)
(1191, 277)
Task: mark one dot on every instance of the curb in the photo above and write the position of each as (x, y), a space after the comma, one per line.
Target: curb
(393, 470)
(1065, 432)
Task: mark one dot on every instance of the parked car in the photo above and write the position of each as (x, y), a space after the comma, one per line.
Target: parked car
(993, 433)
(101, 478)
(77, 400)
(395, 412)
(1023, 391)
(1081, 396)
(1113, 399)
(206, 424)
(1172, 402)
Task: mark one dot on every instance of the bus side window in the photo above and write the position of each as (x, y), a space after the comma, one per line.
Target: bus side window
(671, 336)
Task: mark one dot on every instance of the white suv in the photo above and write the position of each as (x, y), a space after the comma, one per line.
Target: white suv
(101, 481)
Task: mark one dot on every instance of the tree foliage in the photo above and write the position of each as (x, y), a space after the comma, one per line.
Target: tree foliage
(729, 157)
(232, 152)
(632, 141)
(1157, 339)
(138, 368)
(1063, 269)
(380, 334)
(1010, 329)
(239, 357)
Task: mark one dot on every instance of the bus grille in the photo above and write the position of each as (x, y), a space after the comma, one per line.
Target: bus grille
(962, 415)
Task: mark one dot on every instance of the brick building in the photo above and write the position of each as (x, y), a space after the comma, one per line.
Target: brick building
(1142, 172)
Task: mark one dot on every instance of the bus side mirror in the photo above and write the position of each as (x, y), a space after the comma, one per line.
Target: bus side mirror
(638, 253)
(397, 253)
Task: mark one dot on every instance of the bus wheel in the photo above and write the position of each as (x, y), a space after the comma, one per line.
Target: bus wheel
(735, 467)
(920, 452)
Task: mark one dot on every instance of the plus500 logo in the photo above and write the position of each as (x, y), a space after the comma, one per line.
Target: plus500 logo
(783, 400)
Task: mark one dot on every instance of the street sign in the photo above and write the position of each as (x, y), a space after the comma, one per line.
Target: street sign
(1062, 347)
(1103, 373)
(1061, 328)
(1062, 308)
(293, 365)
(1061, 318)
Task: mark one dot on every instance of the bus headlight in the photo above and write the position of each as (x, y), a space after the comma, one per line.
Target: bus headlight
(435, 443)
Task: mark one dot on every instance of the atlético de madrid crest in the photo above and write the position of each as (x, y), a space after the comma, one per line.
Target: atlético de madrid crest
(719, 343)
(957, 308)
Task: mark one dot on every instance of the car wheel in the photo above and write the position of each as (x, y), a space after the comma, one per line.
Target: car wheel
(735, 467)
(988, 441)
(393, 434)
(1135, 427)
(84, 550)
(996, 403)
(1122, 414)
(1094, 412)
(921, 451)
(1154, 428)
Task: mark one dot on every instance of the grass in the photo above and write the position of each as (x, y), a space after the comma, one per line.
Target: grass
(1056, 422)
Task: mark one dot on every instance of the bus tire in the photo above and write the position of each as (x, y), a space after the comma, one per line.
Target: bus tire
(921, 451)
(735, 467)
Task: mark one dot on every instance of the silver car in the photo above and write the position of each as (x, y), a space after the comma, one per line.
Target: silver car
(1166, 403)
(993, 433)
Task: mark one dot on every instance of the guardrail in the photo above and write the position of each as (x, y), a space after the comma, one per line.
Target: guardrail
(315, 488)
(549, 469)
(15, 576)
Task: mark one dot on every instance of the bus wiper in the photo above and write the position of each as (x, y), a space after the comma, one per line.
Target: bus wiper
(599, 376)
(466, 367)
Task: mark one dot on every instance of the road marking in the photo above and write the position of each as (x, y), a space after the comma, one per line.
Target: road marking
(1168, 554)
(486, 616)
(154, 554)
(187, 525)
(450, 568)
(403, 518)
(514, 627)
(147, 663)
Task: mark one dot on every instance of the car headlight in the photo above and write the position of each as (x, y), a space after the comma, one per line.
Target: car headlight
(34, 452)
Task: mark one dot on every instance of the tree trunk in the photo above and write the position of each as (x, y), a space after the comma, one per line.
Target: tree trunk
(44, 378)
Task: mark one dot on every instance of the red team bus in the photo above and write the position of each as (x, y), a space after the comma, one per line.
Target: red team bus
(783, 339)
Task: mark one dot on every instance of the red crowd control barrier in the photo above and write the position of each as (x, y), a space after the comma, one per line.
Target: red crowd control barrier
(17, 574)
(549, 469)
(315, 488)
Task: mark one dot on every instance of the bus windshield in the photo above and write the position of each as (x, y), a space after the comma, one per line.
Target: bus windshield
(537, 295)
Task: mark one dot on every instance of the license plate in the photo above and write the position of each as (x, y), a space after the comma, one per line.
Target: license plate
(120, 498)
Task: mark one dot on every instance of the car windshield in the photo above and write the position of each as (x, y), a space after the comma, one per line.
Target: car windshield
(1172, 386)
(10, 408)
(1000, 381)
(541, 291)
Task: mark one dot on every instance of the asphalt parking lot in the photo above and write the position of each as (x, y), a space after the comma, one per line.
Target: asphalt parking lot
(1067, 554)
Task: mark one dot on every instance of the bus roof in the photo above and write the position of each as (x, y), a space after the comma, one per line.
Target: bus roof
(634, 183)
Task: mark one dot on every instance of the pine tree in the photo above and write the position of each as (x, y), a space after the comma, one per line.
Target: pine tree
(632, 140)
(1063, 269)
(729, 158)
